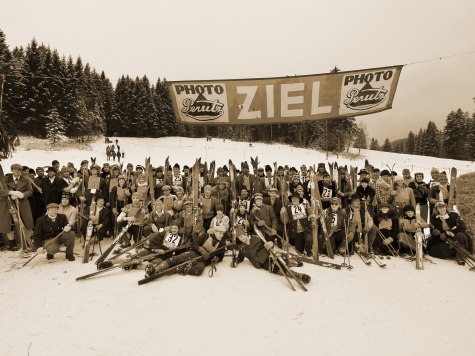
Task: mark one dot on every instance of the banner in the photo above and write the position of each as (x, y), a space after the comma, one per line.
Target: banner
(284, 100)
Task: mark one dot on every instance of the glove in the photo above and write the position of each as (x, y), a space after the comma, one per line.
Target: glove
(261, 223)
(268, 245)
(40, 250)
(450, 233)
(387, 241)
(67, 228)
(204, 252)
(74, 190)
(154, 228)
(16, 194)
(443, 237)
(75, 180)
(435, 232)
(273, 232)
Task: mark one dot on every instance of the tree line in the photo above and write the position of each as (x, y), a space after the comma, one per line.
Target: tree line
(456, 140)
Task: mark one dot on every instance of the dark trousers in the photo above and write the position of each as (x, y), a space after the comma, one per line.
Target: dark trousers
(66, 239)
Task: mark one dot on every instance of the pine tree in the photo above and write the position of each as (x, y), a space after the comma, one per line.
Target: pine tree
(360, 142)
(432, 140)
(410, 143)
(374, 145)
(387, 146)
(470, 142)
(455, 134)
(54, 127)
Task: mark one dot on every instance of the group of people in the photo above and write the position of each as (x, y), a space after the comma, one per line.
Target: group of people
(370, 212)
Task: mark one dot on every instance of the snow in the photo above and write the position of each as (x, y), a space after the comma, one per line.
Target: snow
(243, 311)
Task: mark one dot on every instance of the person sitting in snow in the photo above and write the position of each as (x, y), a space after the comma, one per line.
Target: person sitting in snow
(409, 226)
(447, 225)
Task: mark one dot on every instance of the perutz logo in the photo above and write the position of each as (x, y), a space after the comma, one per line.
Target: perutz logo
(366, 97)
(201, 108)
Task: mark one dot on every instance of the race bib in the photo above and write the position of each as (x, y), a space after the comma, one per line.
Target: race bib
(298, 211)
(172, 241)
(327, 193)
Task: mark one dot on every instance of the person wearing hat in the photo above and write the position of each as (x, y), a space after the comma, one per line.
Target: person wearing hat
(447, 225)
(220, 222)
(406, 174)
(301, 219)
(360, 225)
(205, 245)
(327, 189)
(100, 216)
(304, 177)
(264, 217)
(16, 192)
(344, 188)
(134, 214)
(93, 184)
(245, 179)
(220, 176)
(68, 210)
(386, 220)
(274, 201)
(208, 206)
(402, 195)
(409, 226)
(260, 172)
(53, 187)
(421, 193)
(141, 187)
(242, 222)
(106, 171)
(366, 193)
(439, 191)
(177, 180)
(375, 174)
(245, 199)
(168, 199)
(383, 188)
(47, 228)
(190, 222)
(321, 171)
(221, 191)
(336, 223)
(268, 181)
(119, 195)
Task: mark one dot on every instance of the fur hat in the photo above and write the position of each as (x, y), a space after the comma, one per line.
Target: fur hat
(442, 176)
(434, 170)
(385, 172)
(268, 168)
(407, 208)
(362, 171)
(364, 180)
(244, 165)
(406, 172)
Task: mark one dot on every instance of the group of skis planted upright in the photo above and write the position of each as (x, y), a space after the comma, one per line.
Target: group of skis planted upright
(278, 256)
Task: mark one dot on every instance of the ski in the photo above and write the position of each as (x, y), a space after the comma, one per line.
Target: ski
(314, 196)
(453, 182)
(377, 261)
(195, 182)
(180, 266)
(87, 241)
(419, 237)
(134, 262)
(363, 258)
(309, 260)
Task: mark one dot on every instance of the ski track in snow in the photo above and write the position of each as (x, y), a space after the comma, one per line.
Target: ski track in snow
(243, 311)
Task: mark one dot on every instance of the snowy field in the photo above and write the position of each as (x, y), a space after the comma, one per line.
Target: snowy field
(366, 311)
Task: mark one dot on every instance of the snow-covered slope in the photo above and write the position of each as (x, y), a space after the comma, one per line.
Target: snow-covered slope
(243, 311)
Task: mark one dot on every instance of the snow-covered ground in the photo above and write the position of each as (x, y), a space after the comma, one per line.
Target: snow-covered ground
(366, 311)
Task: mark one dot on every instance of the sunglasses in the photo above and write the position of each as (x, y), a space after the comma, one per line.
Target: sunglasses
(335, 204)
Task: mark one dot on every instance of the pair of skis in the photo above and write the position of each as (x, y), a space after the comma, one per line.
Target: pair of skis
(184, 265)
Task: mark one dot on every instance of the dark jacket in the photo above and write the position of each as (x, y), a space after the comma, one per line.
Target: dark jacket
(421, 192)
(52, 191)
(46, 229)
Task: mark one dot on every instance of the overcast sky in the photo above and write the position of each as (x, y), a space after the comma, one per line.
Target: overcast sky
(219, 39)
